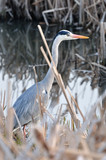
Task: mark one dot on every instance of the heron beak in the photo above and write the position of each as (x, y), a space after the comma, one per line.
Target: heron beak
(79, 36)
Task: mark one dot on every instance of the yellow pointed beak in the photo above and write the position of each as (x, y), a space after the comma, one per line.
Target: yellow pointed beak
(79, 36)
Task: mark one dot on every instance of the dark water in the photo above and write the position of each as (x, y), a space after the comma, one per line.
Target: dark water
(20, 49)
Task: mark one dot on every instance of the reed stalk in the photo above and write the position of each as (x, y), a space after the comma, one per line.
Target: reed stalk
(84, 12)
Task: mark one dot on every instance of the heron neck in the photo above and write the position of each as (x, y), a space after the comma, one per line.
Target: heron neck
(49, 78)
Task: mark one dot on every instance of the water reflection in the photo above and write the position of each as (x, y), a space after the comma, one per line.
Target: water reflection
(20, 48)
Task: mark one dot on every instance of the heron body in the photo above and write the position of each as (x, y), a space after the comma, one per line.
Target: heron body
(27, 105)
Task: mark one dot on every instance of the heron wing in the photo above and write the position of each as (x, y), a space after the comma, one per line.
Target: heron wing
(24, 104)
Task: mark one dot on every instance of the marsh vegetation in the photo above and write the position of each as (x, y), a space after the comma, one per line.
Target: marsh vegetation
(56, 136)
(74, 124)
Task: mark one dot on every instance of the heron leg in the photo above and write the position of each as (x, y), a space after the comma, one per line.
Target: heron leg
(24, 131)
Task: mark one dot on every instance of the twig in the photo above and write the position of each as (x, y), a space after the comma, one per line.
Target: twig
(18, 122)
(48, 113)
(76, 103)
(45, 43)
(91, 63)
(49, 11)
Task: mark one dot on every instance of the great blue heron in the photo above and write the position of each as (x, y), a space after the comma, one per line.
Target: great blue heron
(27, 105)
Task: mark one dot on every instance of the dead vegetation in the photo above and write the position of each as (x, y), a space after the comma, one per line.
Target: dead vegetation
(85, 141)
(89, 12)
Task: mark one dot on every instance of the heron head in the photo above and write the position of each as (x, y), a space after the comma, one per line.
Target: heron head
(67, 35)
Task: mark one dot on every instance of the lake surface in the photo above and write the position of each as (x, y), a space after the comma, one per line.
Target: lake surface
(20, 49)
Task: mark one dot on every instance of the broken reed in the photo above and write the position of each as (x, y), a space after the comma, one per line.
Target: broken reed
(89, 12)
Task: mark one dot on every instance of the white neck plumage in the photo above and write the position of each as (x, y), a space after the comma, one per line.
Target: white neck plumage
(49, 78)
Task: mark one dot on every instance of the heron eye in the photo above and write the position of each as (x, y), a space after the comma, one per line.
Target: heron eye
(68, 34)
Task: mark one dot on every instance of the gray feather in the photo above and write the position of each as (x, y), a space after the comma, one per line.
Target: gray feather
(27, 105)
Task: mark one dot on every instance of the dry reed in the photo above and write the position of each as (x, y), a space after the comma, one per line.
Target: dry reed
(89, 12)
